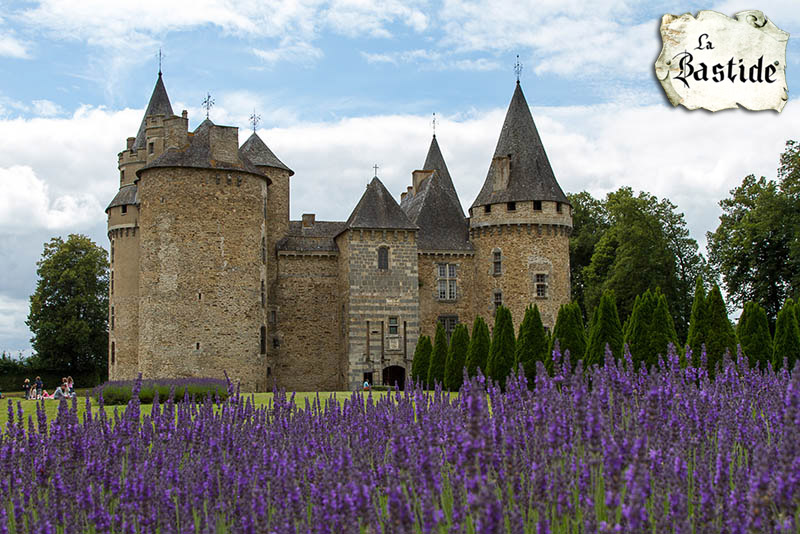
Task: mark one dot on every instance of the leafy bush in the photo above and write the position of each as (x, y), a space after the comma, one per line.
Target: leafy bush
(121, 391)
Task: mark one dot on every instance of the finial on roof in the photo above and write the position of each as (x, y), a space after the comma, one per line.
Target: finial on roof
(208, 103)
(159, 62)
(375, 167)
(518, 68)
(433, 123)
(254, 120)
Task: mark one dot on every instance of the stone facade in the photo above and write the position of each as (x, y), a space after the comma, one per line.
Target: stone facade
(210, 276)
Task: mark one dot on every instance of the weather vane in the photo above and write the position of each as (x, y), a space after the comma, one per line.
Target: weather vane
(518, 68)
(159, 61)
(376, 169)
(433, 123)
(208, 103)
(254, 120)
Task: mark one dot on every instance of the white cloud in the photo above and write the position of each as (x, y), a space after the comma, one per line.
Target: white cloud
(431, 59)
(288, 50)
(12, 47)
(14, 333)
(46, 108)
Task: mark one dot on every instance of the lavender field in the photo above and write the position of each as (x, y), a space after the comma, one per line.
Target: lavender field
(604, 450)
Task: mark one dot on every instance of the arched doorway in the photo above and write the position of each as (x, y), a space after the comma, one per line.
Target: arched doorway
(394, 374)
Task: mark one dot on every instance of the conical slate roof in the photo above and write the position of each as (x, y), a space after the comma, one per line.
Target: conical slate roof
(259, 153)
(435, 208)
(158, 105)
(531, 177)
(378, 209)
(198, 155)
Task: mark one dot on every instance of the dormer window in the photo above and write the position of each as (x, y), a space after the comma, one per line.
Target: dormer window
(558, 207)
(383, 258)
(151, 148)
(487, 208)
(511, 206)
(124, 209)
(537, 205)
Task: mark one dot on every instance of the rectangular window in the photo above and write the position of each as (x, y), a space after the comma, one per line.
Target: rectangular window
(537, 205)
(124, 209)
(112, 282)
(273, 316)
(498, 299)
(151, 148)
(113, 353)
(383, 258)
(447, 284)
(487, 208)
(541, 285)
(122, 175)
(392, 326)
(497, 259)
(511, 206)
(263, 340)
(263, 294)
(558, 207)
(112, 317)
(112, 252)
(449, 323)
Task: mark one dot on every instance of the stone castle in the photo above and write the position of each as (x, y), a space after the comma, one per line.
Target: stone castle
(209, 275)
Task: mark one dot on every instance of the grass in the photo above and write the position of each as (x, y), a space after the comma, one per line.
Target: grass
(51, 406)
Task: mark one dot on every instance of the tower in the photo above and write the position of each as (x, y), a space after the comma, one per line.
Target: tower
(379, 284)
(520, 224)
(124, 237)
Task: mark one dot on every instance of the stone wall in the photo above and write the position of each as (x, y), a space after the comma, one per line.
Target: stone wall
(374, 297)
(307, 327)
(430, 306)
(200, 310)
(123, 333)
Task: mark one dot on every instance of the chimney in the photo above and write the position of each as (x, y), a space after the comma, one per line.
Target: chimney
(185, 114)
(131, 140)
(308, 220)
(403, 196)
(410, 190)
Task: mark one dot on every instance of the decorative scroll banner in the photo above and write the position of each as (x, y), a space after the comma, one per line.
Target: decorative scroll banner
(717, 62)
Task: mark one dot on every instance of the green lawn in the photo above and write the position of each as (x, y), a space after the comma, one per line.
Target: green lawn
(51, 406)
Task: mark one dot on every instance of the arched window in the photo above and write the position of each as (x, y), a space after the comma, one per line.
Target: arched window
(383, 258)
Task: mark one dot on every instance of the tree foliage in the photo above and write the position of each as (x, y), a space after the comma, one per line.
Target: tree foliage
(69, 308)
(719, 336)
(531, 344)
(787, 338)
(569, 332)
(697, 322)
(479, 344)
(422, 360)
(650, 329)
(753, 334)
(605, 330)
(589, 223)
(501, 353)
(438, 362)
(456, 358)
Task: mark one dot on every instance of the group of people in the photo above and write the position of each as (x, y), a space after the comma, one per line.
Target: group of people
(36, 390)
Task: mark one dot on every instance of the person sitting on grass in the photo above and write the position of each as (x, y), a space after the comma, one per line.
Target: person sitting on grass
(70, 385)
(44, 395)
(61, 392)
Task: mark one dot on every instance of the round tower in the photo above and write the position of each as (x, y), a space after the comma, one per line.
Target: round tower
(520, 225)
(124, 237)
(203, 257)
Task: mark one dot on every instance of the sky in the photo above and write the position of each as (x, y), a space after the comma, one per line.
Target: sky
(342, 85)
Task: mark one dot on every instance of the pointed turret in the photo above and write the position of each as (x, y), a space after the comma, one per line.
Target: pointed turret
(520, 170)
(259, 153)
(435, 207)
(158, 105)
(378, 209)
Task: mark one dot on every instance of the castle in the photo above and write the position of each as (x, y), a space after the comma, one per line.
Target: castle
(208, 274)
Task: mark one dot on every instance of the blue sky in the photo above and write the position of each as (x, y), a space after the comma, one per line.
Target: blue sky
(343, 84)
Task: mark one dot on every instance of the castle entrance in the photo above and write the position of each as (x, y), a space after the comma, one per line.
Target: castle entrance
(394, 374)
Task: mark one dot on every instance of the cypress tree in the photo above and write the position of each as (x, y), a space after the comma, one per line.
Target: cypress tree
(787, 337)
(754, 336)
(438, 357)
(531, 343)
(456, 358)
(719, 331)
(662, 331)
(478, 351)
(421, 361)
(697, 322)
(569, 332)
(606, 329)
(501, 353)
(637, 334)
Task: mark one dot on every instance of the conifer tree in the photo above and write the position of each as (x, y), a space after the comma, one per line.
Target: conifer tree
(754, 336)
(421, 361)
(787, 337)
(501, 353)
(637, 333)
(662, 331)
(569, 332)
(606, 330)
(456, 358)
(697, 322)
(531, 344)
(719, 334)
(479, 344)
(438, 357)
